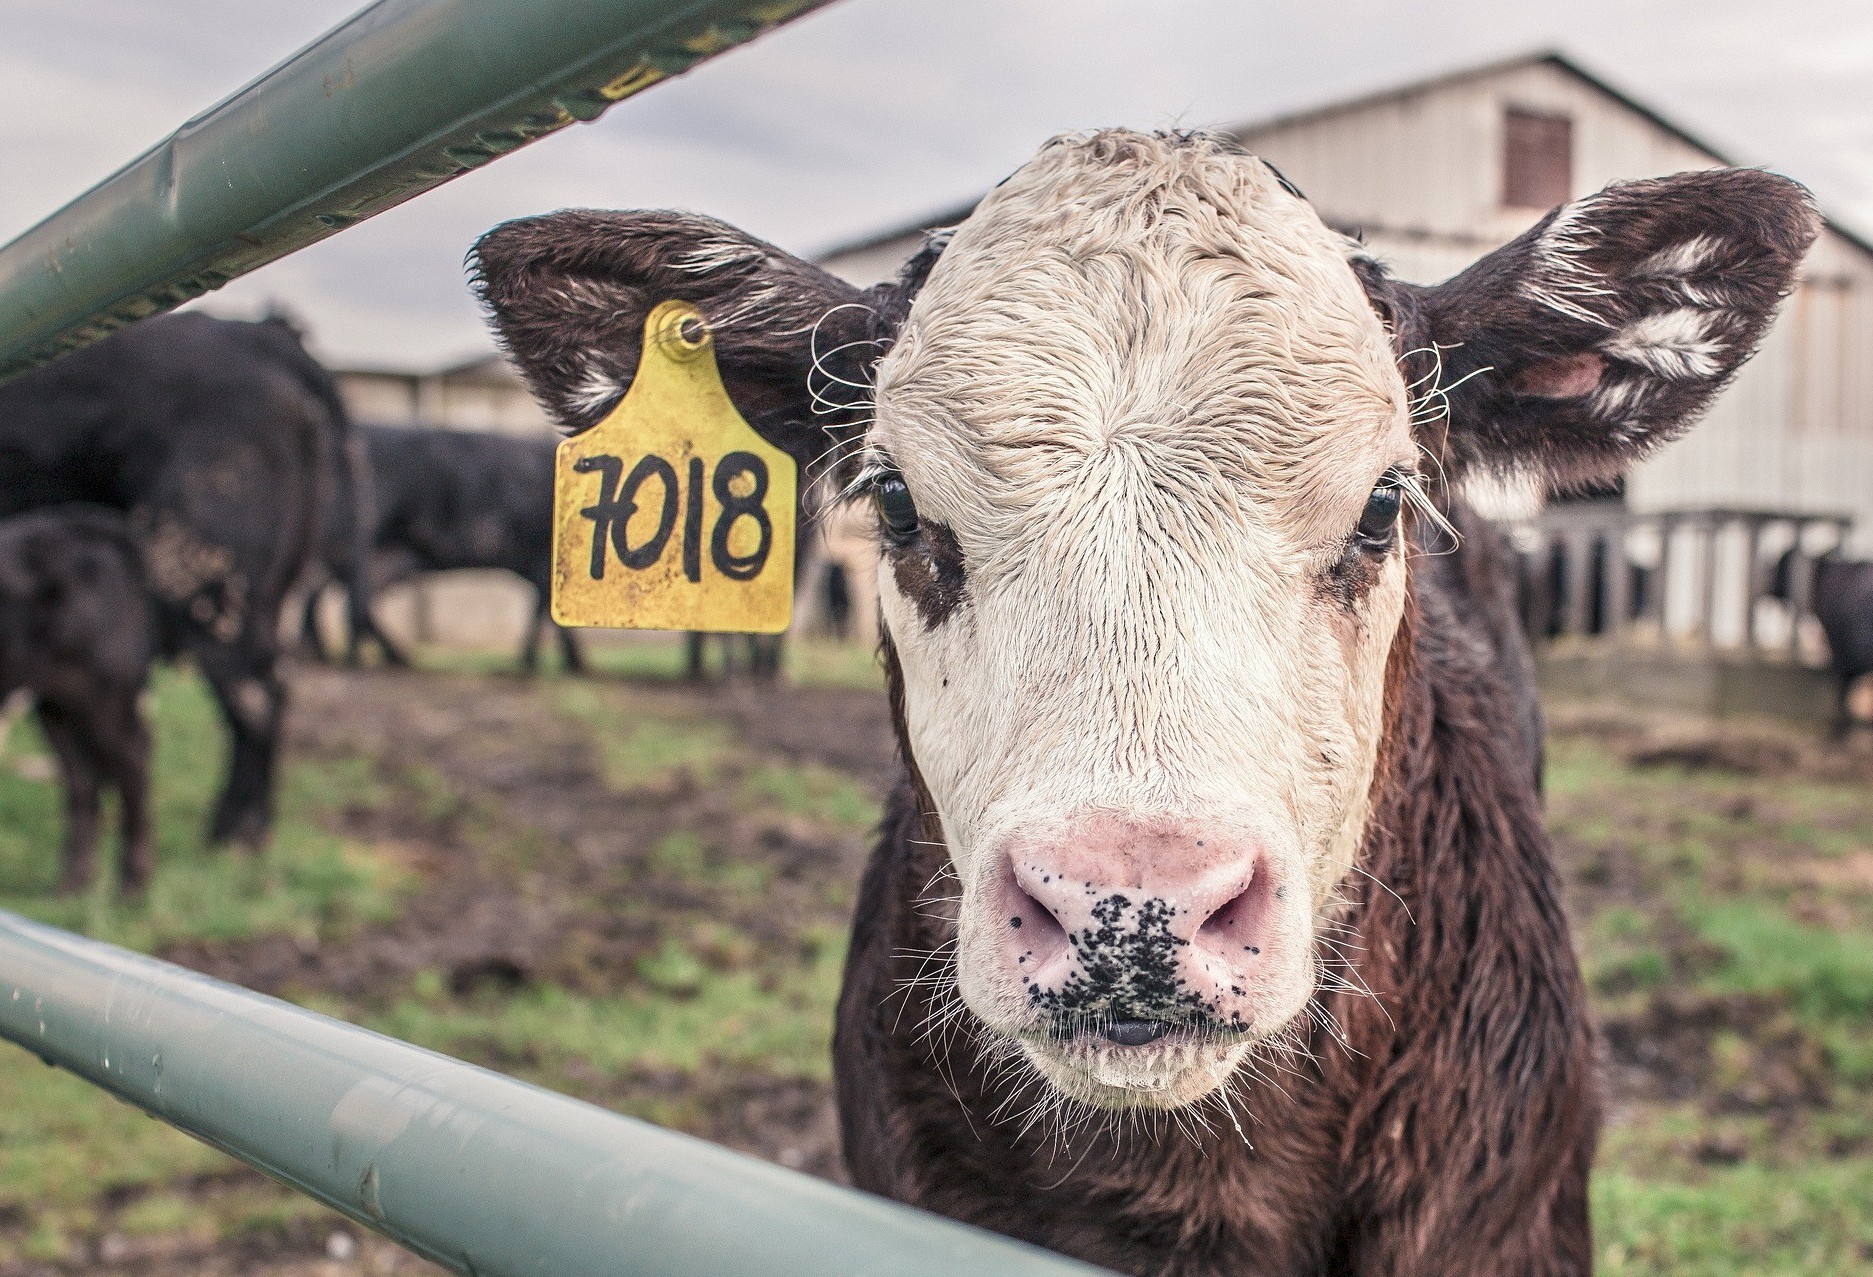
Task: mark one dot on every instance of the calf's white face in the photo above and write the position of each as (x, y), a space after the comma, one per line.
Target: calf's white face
(1138, 415)
(1139, 447)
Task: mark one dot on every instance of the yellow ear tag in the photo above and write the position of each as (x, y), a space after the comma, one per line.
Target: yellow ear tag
(672, 513)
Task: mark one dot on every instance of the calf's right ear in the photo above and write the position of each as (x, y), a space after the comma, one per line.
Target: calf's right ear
(1605, 330)
(568, 294)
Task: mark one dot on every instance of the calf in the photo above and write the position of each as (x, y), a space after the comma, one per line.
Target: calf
(1212, 927)
(212, 436)
(1841, 597)
(76, 635)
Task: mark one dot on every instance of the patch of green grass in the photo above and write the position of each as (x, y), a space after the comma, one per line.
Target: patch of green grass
(1619, 952)
(683, 855)
(652, 657)
(683, 1017)
(308, 882)
(1816, 1221)
(64, 1144)
(812, 792)
(828, 663)
(1580, 765)
(1825, 974)
(1699, 885)
(643, 748)
(648, 657)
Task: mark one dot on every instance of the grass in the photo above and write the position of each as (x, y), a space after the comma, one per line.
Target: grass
(1739, 1220)
(309, 882)
(65, 1147)
(705, 1005)
(811, 792)
(683, 1017)
(660, 658)
(1717, 897)
(1826, 975)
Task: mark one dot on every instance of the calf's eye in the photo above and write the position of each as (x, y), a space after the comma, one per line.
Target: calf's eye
(1378, 524)
(895, 507)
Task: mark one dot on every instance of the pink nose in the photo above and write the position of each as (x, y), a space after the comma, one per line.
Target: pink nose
(1117, 921)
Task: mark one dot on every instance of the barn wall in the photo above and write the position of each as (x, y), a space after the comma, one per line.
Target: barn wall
(1420, 172)
(479, 397)
(874, 263)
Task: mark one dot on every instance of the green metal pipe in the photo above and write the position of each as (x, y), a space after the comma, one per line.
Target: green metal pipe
(402, 97)
(478, 1172)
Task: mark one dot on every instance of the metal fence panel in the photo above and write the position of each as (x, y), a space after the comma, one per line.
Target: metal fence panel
(478, 1172)
(404, 96)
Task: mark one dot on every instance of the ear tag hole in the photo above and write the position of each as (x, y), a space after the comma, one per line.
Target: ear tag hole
(680, 333)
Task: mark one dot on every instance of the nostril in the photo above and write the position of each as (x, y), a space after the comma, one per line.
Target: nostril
(1030, 923)
(1239, 925)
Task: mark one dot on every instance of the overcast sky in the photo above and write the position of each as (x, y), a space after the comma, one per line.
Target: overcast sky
(875, 112)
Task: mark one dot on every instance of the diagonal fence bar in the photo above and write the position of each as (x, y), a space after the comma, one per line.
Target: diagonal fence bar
(402, 97)
(481, 1173)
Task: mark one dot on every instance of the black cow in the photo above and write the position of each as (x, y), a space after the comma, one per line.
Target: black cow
(76, 634)
(1842, 600)
(213, 437)
(445, 499)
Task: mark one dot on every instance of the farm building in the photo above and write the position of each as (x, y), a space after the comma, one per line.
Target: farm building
(481, 393)
(1435, 174)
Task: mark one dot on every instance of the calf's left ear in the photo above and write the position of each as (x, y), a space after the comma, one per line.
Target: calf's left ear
(1607, 328)
(568, 294)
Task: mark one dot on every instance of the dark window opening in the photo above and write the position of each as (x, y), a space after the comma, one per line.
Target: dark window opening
(1537, 159)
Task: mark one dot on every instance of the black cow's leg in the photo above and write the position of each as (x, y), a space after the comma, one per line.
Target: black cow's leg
(692, 657)
(767, 650)
(530, 647)
(79, 772)
(570, 650)
(311, 637)
(1843, 709)
(127, 751)
(369, 628)
(362, 624)
(247, 685)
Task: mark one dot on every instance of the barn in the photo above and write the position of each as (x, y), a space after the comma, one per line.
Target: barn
(1434, 174)
(479, 393)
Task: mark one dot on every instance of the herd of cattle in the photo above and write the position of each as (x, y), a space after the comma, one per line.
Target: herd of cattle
(167, 492)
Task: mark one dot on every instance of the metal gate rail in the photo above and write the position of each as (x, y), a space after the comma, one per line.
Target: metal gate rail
(479, 1172)
(402, 97)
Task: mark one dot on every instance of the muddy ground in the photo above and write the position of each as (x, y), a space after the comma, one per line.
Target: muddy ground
(573, 836)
